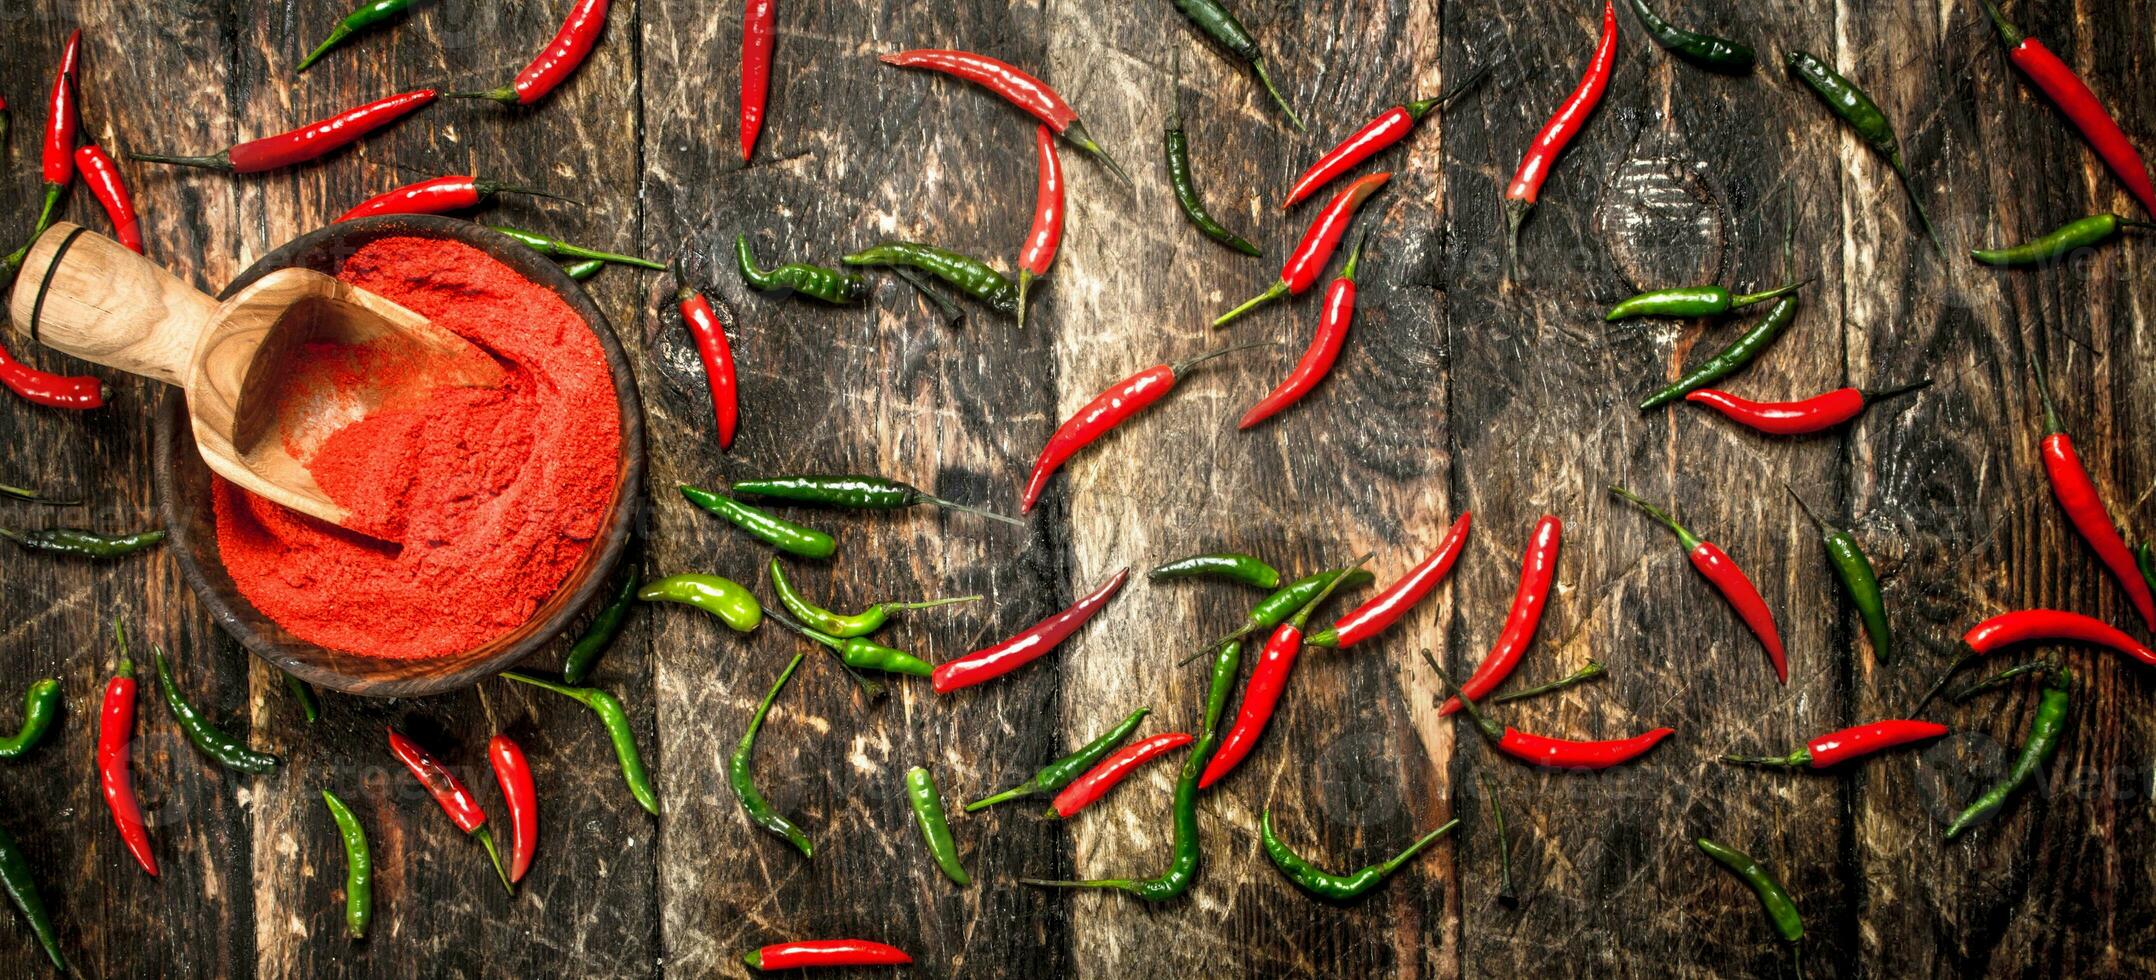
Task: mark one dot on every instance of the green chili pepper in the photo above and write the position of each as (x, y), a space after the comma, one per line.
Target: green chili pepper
(222, 749)
(961, 272)
(2001, 679)
(368, 15)
(358, 867)
(1858, 579)
(2093, 230)
(1704, 50)
(1852, 106)
(585, 653)
(1176, 144)
(862, 654)
(1324, 884)
(586, 269)
(846, 627)
(618, 730)
(83, 544)
(1059, 773)
(1275, 609)
(1732, 358)
(1213, 18)
(40, 706)
(952, 315)
(853, 492)
(2037, 749)
(1229, 565)
(310, 707)
(31, 496)
(781, 534)
(1507, 895)
(935, 827)
(21, 886)
(1592, 670)
(814, 281)
(742, 778)
(722, 597)
(2148, 563)
(1692, 301)
(556, 248)
(1781, 910)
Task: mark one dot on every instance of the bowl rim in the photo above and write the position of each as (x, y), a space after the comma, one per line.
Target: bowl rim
(409, 678)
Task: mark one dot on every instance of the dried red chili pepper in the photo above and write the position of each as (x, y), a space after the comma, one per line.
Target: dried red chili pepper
(115, 778)
(1046, 234)
(309, 142)
(1317, 360)
(989, 663)
(759, 27)
(1386, 608)
(1268, 681)
(1555, 753)
(1110, 772)
(2066, 90)
(1537, 570)
(1308, 260)
(48, 389)
(1728, 579)
(438, 195)
(2084, 505)
(824, 953)
(1016, 87)
(1377, 135)
(1557, 133)
(1835, 748)
(709, 332)
(1107, 410)
(514, 776)
(63, 119)
(448, 792)
(1803, 417)
(554, 63)
(111, 193)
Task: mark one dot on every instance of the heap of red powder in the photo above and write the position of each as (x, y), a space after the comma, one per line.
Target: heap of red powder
(493, 495)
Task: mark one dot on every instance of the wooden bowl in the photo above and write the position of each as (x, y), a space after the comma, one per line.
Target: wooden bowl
(184, 498)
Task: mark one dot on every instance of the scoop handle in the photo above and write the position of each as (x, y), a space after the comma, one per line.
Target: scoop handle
(83, 294)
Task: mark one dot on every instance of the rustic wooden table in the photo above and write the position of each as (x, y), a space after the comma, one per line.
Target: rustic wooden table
(1456, 393)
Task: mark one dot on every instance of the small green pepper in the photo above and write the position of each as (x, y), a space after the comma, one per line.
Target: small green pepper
(854, 492)
(2037, 748)
(21, 886)
(585, 653)
(814, 281)
(862, 654)
(1858, 579)
(31, 496)
(1339, 888)
(220, 747)
(1693, 301)
(40, 706)
(741, 775)
(1852, 106)
(781, 534)
(2080, 233)
(961, 272)
(83, 544)
(310, 707)
(557, 249)
(618, 731)
(581, 271)
(935, 826)
(1275, 609)
(846, 627)
(1780, 908)
(1705, 50)
(1059, 773)
(371, 14)
(358, 867)
(1229, 565)
(722, 597)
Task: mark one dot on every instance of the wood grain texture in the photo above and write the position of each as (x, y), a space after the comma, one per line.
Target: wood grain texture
(1457, 392)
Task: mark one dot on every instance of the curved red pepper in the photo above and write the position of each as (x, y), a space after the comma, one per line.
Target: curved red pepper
(438, 195)
(447, 790)
(1390, 126)
(1557, 133)
(558, 60)
(520, 798)
(1261, 696)
(824, 953)
(1388, 606)
(48, 389)
(1815, 414)
(1039, 250)
(1015, 86)
(309, 142)
(1835, 748)
(709, 332)
(1537, 570)
(1307, 262)
(1728, 579)
(1107, 410)
(989, 663)
(63, 121)
(1317, 360)
(2066, 90)
(1565, 753)
(1111, 771)
(115, 732)
(2084, 505)
(2033, 625)
(111, 193)
(759, 27)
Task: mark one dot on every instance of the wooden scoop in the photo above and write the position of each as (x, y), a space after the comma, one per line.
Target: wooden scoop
(89, 296)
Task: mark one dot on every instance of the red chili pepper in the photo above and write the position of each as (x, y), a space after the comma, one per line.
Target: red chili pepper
(1308, 261)
(1556, 753)
(48, 389)
(2032, 625)
(989, 663)
(1317, 360)
(1047, 232)
(1815, 414)
(2084, 505)
(314, 140)
(1107, 410)
(1835, 748)
(1390, 126)
(1736, 588)
(759, 27)
(1386, 608)
(554, 63)
(449, 792)
(1268, 680)
(1015, 86)
(1557, 133)
(824, 952)
(439, 195)
(2066, 90)
(1104, 776)
(514, 775)
(709, 332)
(1537, 570)
(115, 730)
(63, 119)
(111, 192)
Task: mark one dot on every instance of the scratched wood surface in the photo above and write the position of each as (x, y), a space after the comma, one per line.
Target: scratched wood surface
(1457, 392)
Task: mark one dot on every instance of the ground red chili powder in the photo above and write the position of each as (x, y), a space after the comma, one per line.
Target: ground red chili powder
(491, 495)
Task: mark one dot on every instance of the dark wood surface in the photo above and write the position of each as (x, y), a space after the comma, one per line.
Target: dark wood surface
(1457, 392)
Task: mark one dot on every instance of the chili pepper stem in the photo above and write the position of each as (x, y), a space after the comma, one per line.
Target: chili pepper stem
(952, 314)
(1592, 670)
(504, 94)
(2009, 35)
(1507, 895)
(1181, 368)
(1940, 684)
(486, 840)
(1258, 65)
(1076, 133)
(1025, 283)
(339, 33)
(931, 603)
(53, 193)
(1015, 792)
(1515, 215)
(1278, 289)
(1794, 760)
(33, 497)
(976, 511)
(1875, 397)
(1684, 535)
(1748, 299)
(1490, 729)
(217, 162)
(2001, 679)
(870, 689)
